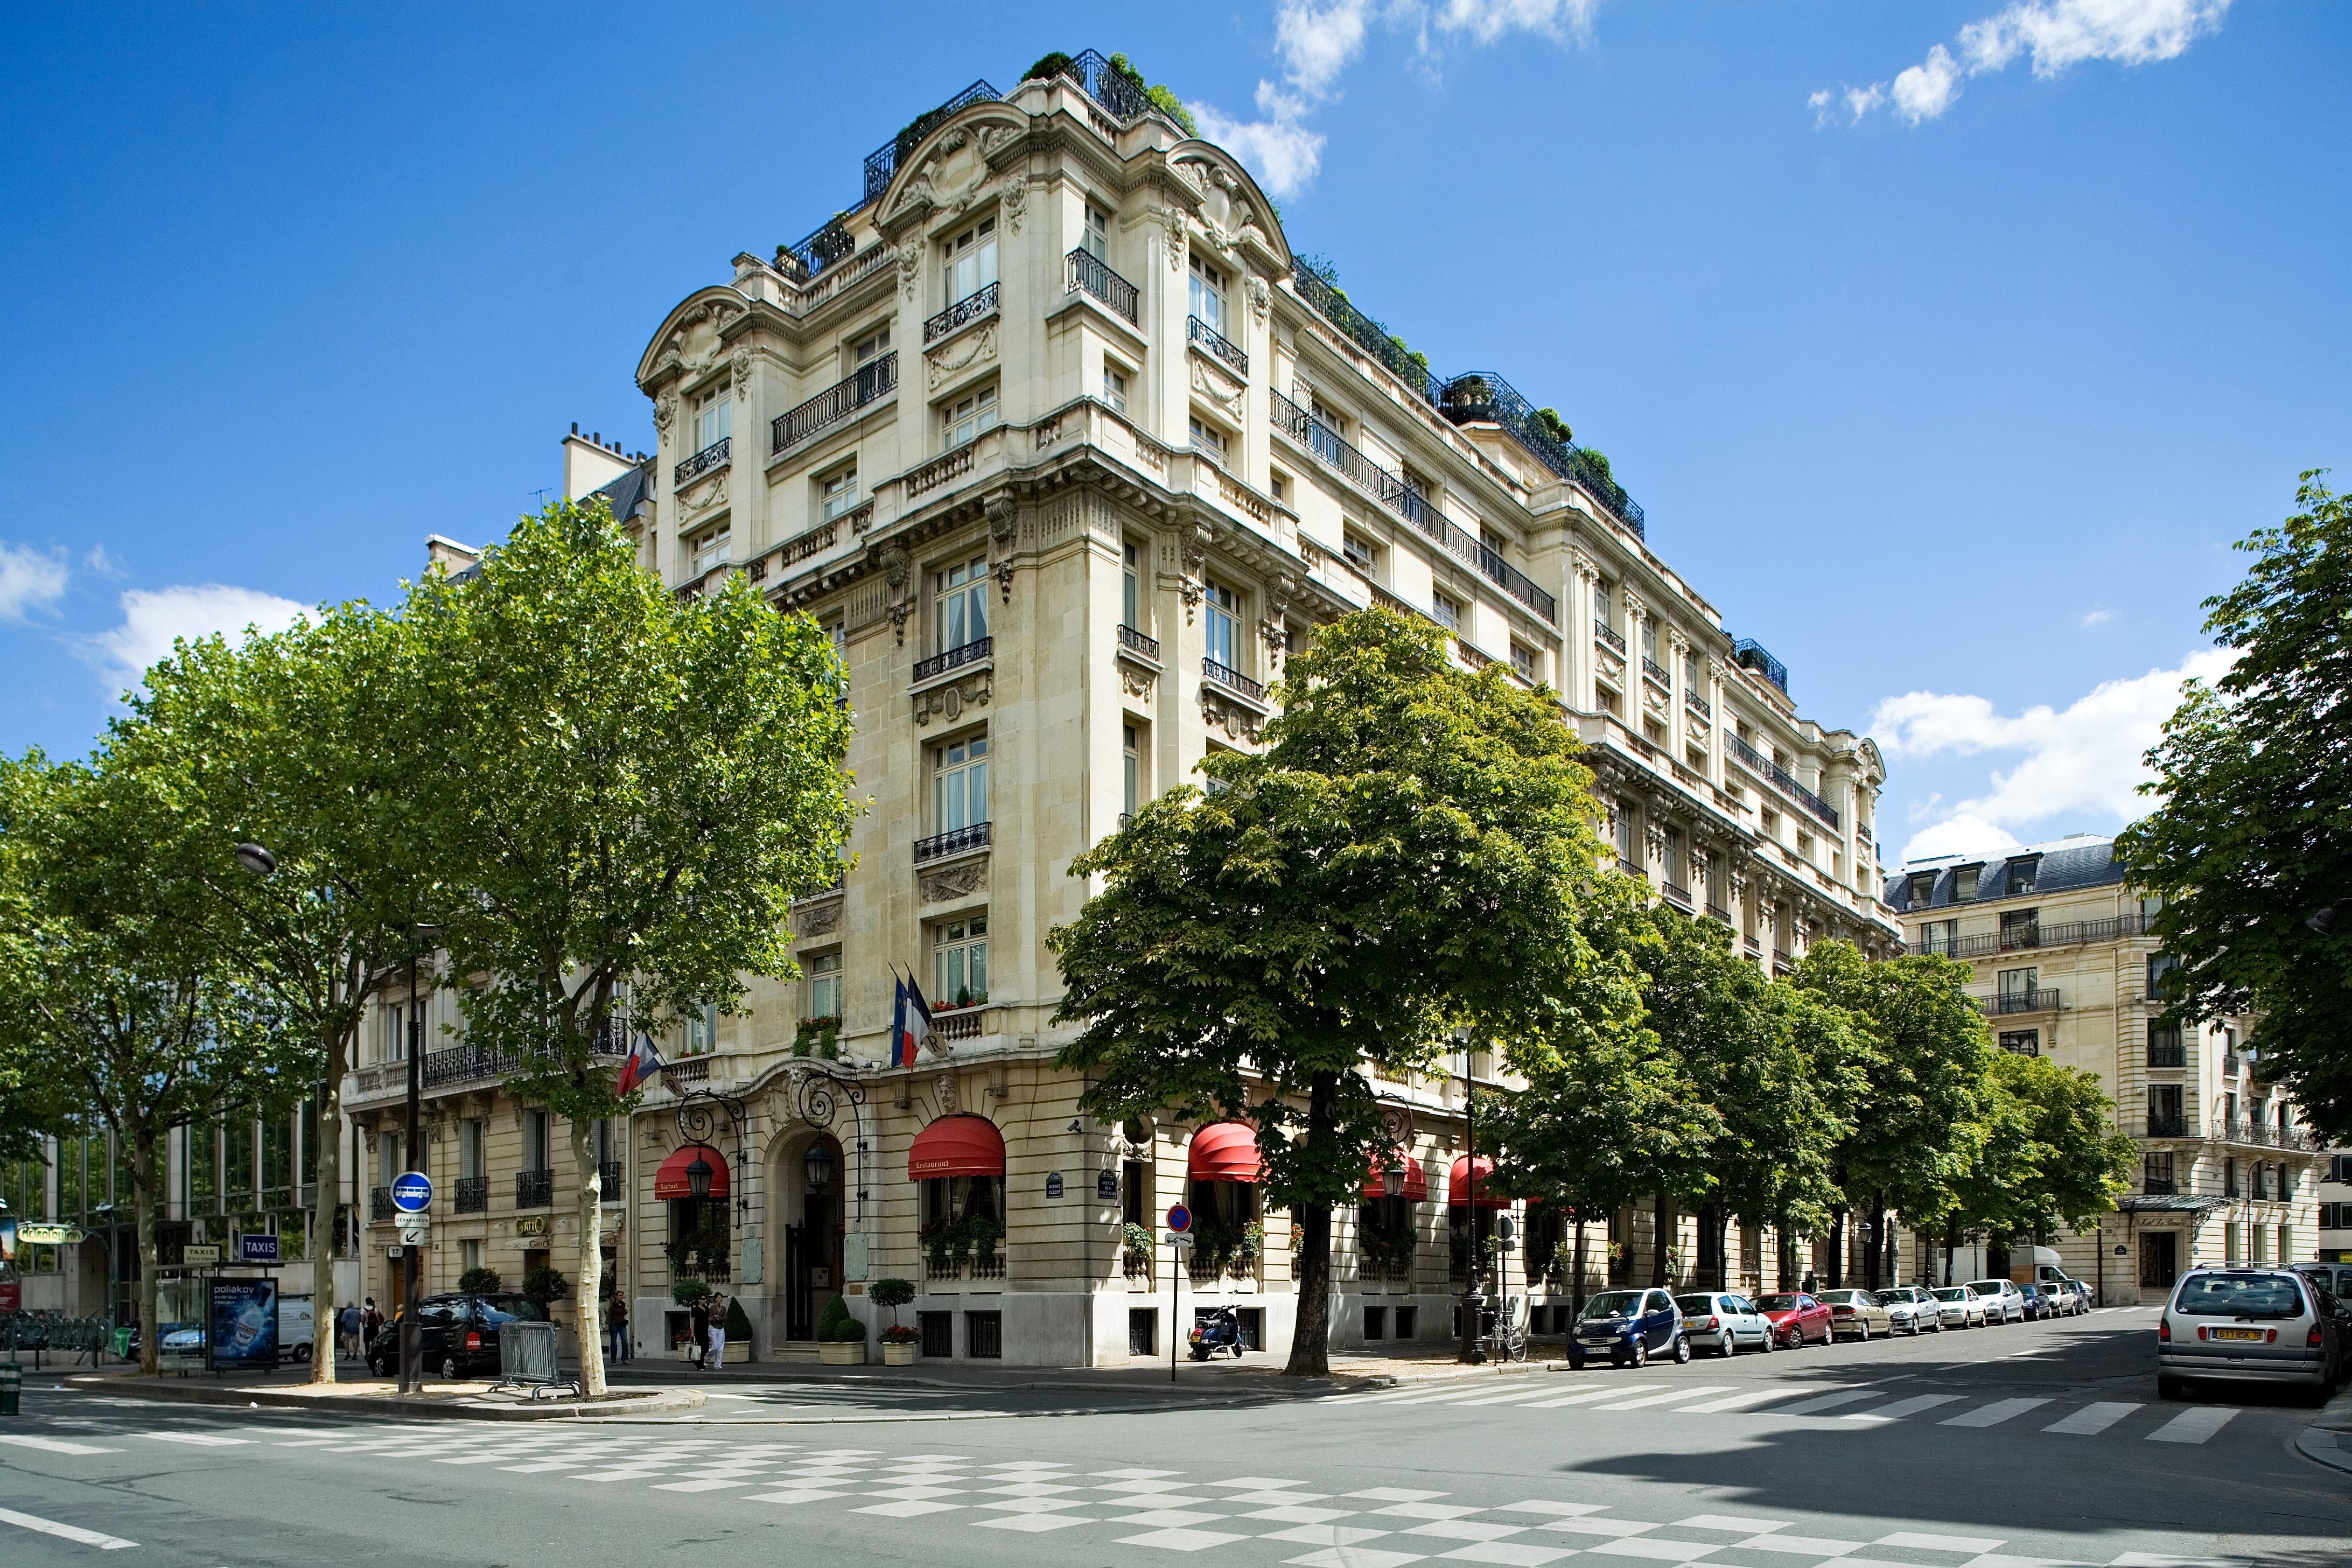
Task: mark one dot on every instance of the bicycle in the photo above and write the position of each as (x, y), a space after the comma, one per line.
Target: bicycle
(1506, 1338)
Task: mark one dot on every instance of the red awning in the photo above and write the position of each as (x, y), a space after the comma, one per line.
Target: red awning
(957, 1146)
(1416, 1180)
(1457, 1183)
(1225, 1151)
(672, 1182)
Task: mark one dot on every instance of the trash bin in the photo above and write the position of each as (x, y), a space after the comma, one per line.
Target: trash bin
(122, 1343)
(12, 1387)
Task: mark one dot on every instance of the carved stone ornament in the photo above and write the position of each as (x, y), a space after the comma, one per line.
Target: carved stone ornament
(1136, 681)
(702, 494)
(954, 174)
(1239, 723)
(1218, 389)
(1171, 223)
(1261, 297)
(1611, 667)
(949, 701)
(1583, 565)
(959, 355)
(1657, 840)
(1016, 202)
(665, 410)
(1190, 590)
(1653, 698)
(1224, 213)
(910, 270)
(742, 365)
(897, 569)
(1738, 887)
(959, 880)
(1635, 609)
(820, 920)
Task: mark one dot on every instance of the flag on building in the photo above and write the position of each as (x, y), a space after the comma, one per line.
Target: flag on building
(910, 1023)
(643, 1062)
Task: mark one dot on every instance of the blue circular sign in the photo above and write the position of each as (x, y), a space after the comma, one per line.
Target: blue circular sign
(1180, 1218)
(411, 1192)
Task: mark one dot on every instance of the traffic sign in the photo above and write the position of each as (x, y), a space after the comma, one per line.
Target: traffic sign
(1180, 1218)
(411, 1192)
(1182, 1242)
(412, 1235)
(201, 1252)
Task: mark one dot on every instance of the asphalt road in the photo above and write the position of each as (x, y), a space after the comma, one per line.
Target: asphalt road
(1992, 1448)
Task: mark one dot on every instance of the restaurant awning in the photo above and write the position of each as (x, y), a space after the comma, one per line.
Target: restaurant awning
(673, 1180)
(1458, 1183)
(963, 1145)
(1225, 1151)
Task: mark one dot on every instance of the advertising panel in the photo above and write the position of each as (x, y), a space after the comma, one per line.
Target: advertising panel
(243, 1324)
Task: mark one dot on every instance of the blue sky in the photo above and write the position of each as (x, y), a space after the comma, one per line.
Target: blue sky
(1948, 346)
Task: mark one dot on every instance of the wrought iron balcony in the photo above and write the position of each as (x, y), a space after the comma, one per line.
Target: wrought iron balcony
(1717, 911)
(379, 1204)
(1751, 947)
(2166, 1126)
(2170, 1053)
(955, 658)
(1136, 642)
(981, 301)
(1658, 672)
(1633, 868)
(836, 403)
(1749, 653)
(472, 1194)
(1197, 331)
(1232, 680)
(711, 456)
(1481, 396)
(534, 1189)
(1699, 705)
(2041, 999)
(1089, 275)
(1755, 762)
(954, 841)
(1608, 637)
(1676, 895)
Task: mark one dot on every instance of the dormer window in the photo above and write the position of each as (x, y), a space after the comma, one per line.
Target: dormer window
(2021, 875)
(1923, 889)
(1964, 882)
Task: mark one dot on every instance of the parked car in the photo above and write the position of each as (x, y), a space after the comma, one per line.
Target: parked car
(2335, 1278)
(459, 1334)
(2004, 1302)
(1796, 1318)
(1857, 1312)
(1960, 1306)
(2248, 1325)
(2073, 1296)
(2037, 1305)
(1912, 1311)
(1629, 1327)
(1719, 1322)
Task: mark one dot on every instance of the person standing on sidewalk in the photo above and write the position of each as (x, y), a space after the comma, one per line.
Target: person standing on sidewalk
(371, 1325)
(617, 1322)
(698, 1320)
(347, 1329)
(718, 1332)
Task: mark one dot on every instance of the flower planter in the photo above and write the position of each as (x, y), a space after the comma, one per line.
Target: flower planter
(841, 1352)
(898, 1355)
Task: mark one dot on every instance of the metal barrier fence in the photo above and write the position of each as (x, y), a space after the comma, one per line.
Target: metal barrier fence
(527, 1361)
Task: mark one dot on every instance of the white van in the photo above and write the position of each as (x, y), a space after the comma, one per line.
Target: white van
(297, 1327)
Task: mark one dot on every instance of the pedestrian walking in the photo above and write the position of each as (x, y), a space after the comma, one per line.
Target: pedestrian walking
(347, 1329)
(617, 1324)
(371, 1325)
(1808, 1287)
(717, 1332)
(699, 1318)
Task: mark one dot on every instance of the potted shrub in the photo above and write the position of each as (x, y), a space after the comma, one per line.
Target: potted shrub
(898, 1341)
(840, 1338)
(738, 1331)
(479, 1282)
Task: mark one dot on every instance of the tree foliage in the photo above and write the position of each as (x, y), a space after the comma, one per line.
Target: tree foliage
(2250, 843)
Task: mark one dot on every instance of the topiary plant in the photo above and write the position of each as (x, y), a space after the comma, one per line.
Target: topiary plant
(687, 1292)
(479, 1282)
(544, 1286)
(834, 1325)
(1048, 67)
(739, 1323)
(893, 1294)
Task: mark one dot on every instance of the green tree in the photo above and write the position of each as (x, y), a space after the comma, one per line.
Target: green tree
(1404, 859)
(2250, 843)
(2051, 1154)
(626, 793)
(111, 992)
(1915, 1075)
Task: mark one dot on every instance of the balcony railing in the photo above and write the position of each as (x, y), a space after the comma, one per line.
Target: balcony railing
(883, 162)
(711, 456)
(1407, 503)
(1717, 911)
(1676, 894)
(2024, 938)
(379, 1204)
(1483, 396)
(1232, 680)
(1763, 767)
(1197, 331)
(980, 302)
(2162, 1054)
(473, 1195)
(1699, 705)
(1088, 275)
(1136, 642)
(954, 841)
(1608, 637)
(2266, 1135)
(1753, 948)
(608, 1178)
(2041, 999)
(836, 403)
(971, 652)
(1658, 672)
(1632, 867)
(534, 1189)
(710, 1270)
(1749, 653)
(2166, 1126)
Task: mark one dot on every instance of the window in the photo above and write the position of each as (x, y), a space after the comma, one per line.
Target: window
(1097, 242)
(1143, 1331)
(984, 1335)
(1690, 672)
(1208, 440)
(2159, 965)
(970, 263)
(824, 985)
(2021, 876)
(712, 550)
(1601, 600)
(534, 1141)
(960, 604)
(2155, 1173)
(2229, 1190)
(1805, 847)
(1649, 642)
(1358, 550)
(1923, 889)
(1225, 626)
(1208, 295)
(1964, 881)
(203, 1168)
(1131, 762)
(2164, 1047)
(1280, 484)
(966, 417)
(2021, 928)
(1114, 391)
(960, 960)
(2020, 984)
(469, 1257)
(869, 348)
(2164, 1110)
(714, 415)
(1134, 1198)
(959, 784)
(838, 492)
(471, 1134)
(1130, 587)
(1524, 661)
(1446, 611)
(702, 1029)
(2024, 1042)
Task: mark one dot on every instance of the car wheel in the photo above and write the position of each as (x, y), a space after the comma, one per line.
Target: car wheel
(302, 1352)
(1682, 1349)
(1641, 1356)
(449, 1372)
(1730, 1346)
(2171, 1387)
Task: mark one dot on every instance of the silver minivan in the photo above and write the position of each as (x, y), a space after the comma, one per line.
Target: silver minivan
(2245, 1325)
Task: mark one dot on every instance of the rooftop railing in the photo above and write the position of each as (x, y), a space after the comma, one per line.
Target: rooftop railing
(1481, 396)
(882, 164)
(1749, 653)
(1366, 334)
(836, 403)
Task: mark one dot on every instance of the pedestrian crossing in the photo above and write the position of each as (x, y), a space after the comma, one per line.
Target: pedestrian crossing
(1863, 1405)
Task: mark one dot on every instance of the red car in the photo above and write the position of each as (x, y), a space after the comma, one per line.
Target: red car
(1796, 1318)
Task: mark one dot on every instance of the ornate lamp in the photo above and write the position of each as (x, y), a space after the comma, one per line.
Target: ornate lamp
(817, 1166)
(698, 1177)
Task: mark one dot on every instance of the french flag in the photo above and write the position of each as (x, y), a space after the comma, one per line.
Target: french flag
(643, 1062)
(910, 1023)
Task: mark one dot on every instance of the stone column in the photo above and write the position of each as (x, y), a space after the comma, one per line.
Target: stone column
(1678, 651)
(1577, 678)
(1636, 613)
(1718, 757)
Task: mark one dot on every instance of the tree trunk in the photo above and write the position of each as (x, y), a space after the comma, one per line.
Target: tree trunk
(1723, 1250)
(142, 1206)
(1877, 1235)
(325, 1337)
(1311, 1338)
(588, 1293)
(1662, 1222)
(1710, 1236)
(1951, 1242)
(1837, 1245)
(1576, 1286)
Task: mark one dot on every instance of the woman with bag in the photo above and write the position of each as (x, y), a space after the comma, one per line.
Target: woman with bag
(699, 1317)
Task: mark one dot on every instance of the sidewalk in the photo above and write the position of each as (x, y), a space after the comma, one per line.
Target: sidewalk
(2328, 1439)
(358, 1393)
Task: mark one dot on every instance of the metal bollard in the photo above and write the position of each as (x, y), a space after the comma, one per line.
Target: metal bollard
(12, 1387)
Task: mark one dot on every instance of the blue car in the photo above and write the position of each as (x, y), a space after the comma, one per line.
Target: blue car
(1629, 1327)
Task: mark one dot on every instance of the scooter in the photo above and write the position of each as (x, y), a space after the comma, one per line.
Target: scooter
(1219, 1330)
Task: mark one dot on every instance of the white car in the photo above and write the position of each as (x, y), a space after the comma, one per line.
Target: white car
(2004, 1302)
(1725, 1323)
(1960, 1306)
(1913, 1309)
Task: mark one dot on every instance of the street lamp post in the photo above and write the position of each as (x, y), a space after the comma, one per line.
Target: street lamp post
(1473, 1299)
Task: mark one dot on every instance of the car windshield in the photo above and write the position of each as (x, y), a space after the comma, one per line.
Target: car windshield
(2240, 1296)
(1988, 1286)
(1612, 1304)
(1776, 1303)
(1952, 1293)
(1892, 1298)
(1699, 1304)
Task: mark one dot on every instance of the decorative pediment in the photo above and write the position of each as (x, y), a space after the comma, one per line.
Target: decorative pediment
(950, 700)
(948, 173)
(693, 340)
(1230, 211)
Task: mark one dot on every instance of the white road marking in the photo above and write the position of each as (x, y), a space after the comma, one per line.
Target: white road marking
(65, 1531)
(1918, 1542)
(1650, 1399)
(1826, 1402)
(1753, 1396)
(202, 1440)
(1903, 1407)
(54, 1446)
(1728, 1522)
(2093, 1418)
(1589, 1395)
(1993, 1415)
(1517, 1396)
(2191, 1426)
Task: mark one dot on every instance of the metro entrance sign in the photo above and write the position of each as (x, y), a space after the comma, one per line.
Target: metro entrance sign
(411, 1192)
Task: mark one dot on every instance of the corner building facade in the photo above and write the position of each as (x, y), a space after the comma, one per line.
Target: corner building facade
(1068, 453)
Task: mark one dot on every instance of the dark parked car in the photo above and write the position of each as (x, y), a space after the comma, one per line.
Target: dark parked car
(2039, 1304)
(1629, 1327)
(1797, 1318)
(460, 1334)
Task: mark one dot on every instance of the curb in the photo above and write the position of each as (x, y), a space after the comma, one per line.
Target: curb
(2324, 1448)
(654, 1402)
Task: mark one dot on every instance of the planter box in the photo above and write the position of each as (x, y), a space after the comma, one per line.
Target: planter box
(898, 1355)
(850, 1353)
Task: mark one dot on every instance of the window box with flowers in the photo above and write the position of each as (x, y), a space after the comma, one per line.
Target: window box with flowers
(818, 1037)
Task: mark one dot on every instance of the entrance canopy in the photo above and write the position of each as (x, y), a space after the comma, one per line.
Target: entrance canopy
(1458, 1183)
(1225, 1151)
(962, 1145)
(1416, 1180)
(675, 1180)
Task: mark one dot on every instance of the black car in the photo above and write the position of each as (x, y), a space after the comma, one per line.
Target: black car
(459, 1334)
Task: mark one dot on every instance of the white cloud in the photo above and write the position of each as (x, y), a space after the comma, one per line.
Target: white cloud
(2097, 615)
(153, 618)
(1317, 42)
(2057, 34)
(29, 579)
(1281, 152)
(2087, 758)
(1488, 20)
